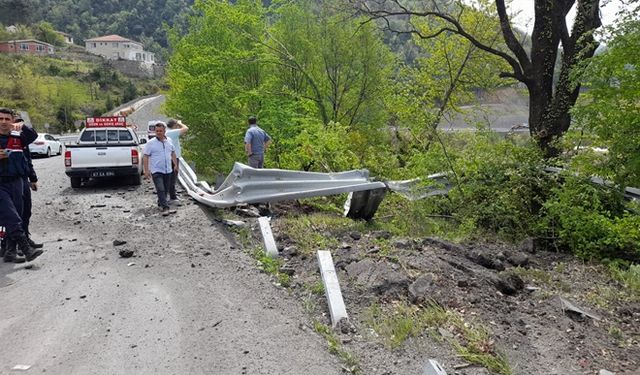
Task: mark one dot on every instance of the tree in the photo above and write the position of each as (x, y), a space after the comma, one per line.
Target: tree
(609, 107)
(551, 92)
(46, 33)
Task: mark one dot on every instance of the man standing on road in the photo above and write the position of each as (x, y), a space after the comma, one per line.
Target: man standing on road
(176, 130)
(158, 162)
(256, 142)
(30, 183)
(13, 170)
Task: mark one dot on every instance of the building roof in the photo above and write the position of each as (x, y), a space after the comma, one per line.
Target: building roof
(26, 41)
(62, 33)
(111, 38)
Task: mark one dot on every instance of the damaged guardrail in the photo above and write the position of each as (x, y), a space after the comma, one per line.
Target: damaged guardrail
(249, 185)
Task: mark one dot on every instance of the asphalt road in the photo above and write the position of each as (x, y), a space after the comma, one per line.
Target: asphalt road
(188, 302)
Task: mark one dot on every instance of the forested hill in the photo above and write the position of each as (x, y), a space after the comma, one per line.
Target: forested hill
(141, 20)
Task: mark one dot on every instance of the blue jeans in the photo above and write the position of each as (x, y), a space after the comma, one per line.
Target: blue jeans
(162, 181)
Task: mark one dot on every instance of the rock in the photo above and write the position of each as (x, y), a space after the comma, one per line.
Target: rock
(509, 283)
(420, 289)
(290, 251)
(119, 242)
(488, 262)
(288, 270)
(463, 283)
(379, 278)
(449, 246)
(518, 259)
(606, 372)
(125, 253)
(402, 243)
(355, 235)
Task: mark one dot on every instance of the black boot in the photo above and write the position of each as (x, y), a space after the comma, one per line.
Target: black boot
(33, 244)
(29, 253)
(10, 255)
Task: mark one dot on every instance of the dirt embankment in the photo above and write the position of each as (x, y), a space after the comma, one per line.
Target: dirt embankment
(472, 307)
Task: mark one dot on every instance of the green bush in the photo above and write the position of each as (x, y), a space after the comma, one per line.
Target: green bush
(591, 220)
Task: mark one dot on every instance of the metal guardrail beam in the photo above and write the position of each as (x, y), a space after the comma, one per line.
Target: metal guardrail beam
(249, 185)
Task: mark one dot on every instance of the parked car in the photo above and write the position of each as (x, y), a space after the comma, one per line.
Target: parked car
(46, 144)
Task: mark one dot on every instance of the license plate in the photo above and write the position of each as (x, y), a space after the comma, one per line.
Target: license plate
(103, 174)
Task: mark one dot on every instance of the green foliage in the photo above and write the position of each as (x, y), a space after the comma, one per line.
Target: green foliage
(315, 90)
(143, 20)
(591, 220)
(502, 187)
(397, 323)
(335, 347)
(609, 108)
(59, 92)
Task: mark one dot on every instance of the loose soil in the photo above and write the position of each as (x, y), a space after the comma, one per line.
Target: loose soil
(514, 292)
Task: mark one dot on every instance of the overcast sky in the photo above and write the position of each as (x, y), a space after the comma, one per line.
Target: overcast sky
(608, 9)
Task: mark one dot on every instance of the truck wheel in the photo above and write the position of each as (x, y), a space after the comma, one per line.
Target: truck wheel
(136, 179)
(76, 182)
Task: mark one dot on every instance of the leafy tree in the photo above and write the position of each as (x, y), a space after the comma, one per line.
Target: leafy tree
(551, 92)
(610, 105)
(46, 33)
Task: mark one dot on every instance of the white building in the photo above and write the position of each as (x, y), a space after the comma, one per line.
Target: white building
(115, 47)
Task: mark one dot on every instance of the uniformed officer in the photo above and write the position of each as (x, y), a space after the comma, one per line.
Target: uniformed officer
(13, 169)
(30, 182)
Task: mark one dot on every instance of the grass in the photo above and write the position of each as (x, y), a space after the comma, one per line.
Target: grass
(319, 231)
(336, 348)
(401, 321)
(271, 266)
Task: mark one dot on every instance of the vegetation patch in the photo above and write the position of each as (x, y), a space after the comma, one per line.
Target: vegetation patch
(398, 322)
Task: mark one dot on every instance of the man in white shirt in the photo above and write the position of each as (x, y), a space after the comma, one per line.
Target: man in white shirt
(176, 130)
(159, 162)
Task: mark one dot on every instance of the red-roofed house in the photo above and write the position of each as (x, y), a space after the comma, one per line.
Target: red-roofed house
(30, 46)
(115, 47)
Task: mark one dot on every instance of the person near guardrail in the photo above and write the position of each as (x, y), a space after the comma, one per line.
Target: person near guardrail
(176, 130)
(159, 162)
(13, 169)
(256, 142)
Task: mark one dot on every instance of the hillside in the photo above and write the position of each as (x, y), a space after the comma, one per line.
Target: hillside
(58, 92)
(141, 20)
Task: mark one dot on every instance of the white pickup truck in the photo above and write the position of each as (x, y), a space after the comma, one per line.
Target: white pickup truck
(106, 147)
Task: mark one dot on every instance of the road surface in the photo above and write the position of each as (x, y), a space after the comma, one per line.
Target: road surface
(188, 302)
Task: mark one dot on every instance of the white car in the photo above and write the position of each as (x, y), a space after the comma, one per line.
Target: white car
(46, 145)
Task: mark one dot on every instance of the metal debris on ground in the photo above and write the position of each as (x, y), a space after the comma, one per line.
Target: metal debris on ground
(433, 368)
(575, 311)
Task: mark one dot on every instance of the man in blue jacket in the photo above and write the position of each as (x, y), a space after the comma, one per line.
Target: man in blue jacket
(13, 169)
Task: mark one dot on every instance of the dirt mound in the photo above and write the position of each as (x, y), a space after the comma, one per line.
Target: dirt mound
(516, 297)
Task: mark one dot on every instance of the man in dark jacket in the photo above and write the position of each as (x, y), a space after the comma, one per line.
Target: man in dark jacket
(30, 183)
(13, 169)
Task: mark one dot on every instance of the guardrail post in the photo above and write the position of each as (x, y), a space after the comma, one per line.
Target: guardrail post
(332, 288)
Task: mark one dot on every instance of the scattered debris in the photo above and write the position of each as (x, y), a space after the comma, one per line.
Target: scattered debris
(131, 264)
(234, 223)
(119, 242)
(575, 312)
(21, 367)
(433, 368)
(126, 253)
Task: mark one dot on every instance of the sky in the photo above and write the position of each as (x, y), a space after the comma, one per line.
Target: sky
(608, 9)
